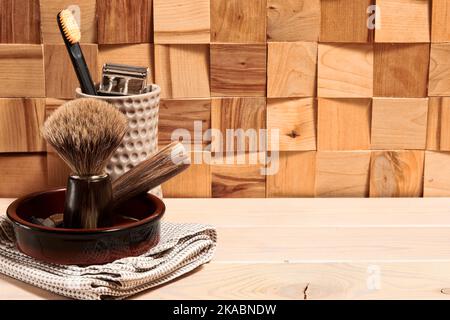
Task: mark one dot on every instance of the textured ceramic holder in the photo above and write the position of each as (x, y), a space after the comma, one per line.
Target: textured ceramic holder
(141, 140)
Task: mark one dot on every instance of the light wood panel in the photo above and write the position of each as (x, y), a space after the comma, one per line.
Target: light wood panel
(291, 69)
(179, 21)
(60, 78)
(237, 21)
(295, 176)
(228, 65)
(22, 174)
(404, 21)
(440, 22)
(238, 113)
(295, 120)
(21, 121)
(181, 114)
(343, 124)
(399, 123)
(21, 70)
(439, 83)
(438, 128)
(345, 70)
(20, 21)
(124, 21)
(393, 74)
(344, 21)
(134, 54)
(195, 182)
(342, 174)
(396, 173)
(83, 9)
(437, 174)
(182, 71)
(293, 20)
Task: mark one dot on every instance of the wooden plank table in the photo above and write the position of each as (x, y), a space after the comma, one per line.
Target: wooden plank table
(308, 249)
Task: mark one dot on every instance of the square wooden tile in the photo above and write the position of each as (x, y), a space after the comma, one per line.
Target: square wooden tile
(182, 70)
(180, 21)
(62, 84)
(293, 20)
(344, 21)
(394, 75)
(295, 176)
(184, 115)
(20, 21)
(345, 70)
(291, 69)
(440, 21)
(295, 120)
(436, 174)
(238, 70)
(439, 83)
(396, 173)
(22, 70)
(342, 174)
(237, 21)
(343, 124)
(124, 21)
(404, 21)
(21, 121)
(83, 10)
(438, 128)
(399, 123)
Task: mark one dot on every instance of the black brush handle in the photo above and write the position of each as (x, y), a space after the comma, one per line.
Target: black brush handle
(81, 69)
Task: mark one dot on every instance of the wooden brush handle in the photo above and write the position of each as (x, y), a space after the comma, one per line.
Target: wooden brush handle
(160, 167)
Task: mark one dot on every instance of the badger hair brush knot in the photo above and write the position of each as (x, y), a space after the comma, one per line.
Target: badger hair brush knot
(85, 133)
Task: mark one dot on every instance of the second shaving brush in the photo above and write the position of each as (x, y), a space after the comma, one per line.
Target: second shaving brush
(85, 133)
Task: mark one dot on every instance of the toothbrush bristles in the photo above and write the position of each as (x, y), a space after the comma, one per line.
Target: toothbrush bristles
(69, 26)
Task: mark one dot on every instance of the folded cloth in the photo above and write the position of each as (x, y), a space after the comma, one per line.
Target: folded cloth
(182, 248)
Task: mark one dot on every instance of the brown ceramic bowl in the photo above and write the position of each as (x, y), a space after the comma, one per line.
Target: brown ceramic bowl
(127, 237)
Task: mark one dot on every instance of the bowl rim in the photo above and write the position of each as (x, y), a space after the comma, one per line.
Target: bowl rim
(11, 213)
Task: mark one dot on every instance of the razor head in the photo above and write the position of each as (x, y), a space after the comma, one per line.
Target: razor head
(123, 80)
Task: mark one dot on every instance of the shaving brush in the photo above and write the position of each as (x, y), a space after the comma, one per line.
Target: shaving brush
(85, 133)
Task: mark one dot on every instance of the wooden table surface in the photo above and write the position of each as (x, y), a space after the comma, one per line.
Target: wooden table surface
(308, 248)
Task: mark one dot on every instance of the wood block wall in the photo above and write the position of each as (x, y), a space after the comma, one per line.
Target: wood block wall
(361, 112)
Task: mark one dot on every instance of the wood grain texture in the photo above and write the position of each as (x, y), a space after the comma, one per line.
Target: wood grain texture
(440, 21)
(343, 124)
(22, 174)
(238, 113)
(237, 21)
(87, 14)
(342, 174)
(344, 21)
(291, 69)
(404, 21)
(399, 123)
(345, 70)
(439, 82)
(131, 54)
(438, 128)
(179, 21)
(396, 173)
(436, 174)
(293, 20)
(133, 16)
(181, 114)
(194, 182)
(60, 78)
(20, 21)
(21, 71)
(21, 121)
(295, 119)
(228, 65)
(393, 74)
(182, 71)
(295, 176)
